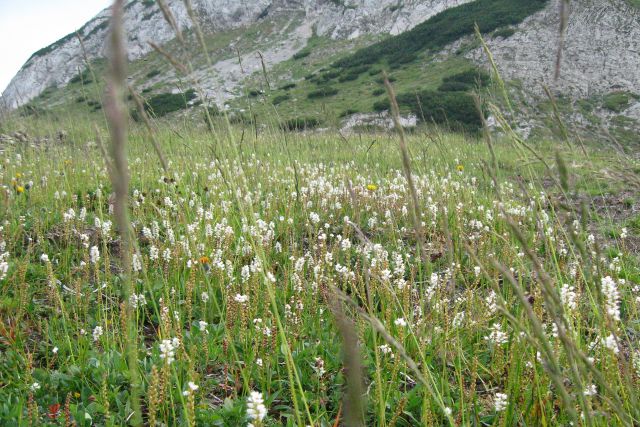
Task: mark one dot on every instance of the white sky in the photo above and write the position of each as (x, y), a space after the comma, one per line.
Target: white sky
(29, 25)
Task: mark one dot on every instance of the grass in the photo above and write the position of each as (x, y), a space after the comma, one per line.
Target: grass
(227, 221)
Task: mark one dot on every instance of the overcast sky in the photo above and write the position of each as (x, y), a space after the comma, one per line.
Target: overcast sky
(29, 25)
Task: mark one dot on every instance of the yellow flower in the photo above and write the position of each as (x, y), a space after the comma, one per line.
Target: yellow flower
(20, 189)
(460, 168)
(18, 175)
(372, 187)
(204, 260)
(76, 395)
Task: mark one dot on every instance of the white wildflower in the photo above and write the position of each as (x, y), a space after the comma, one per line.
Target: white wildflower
(400, 322)
(612, 297)
(256, 411)
(590, 390)
(500, 402)
(497, 336)
(97, 333)
(94, 254)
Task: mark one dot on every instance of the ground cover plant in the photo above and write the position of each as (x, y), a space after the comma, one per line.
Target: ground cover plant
(225, 273)
(240, 256)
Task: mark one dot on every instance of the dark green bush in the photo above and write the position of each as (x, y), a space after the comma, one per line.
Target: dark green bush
(616, 101)
(166, 103)
(238, 118)
(472, 77)
(454, 87)
(302, 54)
(505, 32)
(348, 77)
(84, 77)
(280, 99)
(213, 110)
(288, 86)
(348, 112)
(323, 93)
(151, 74)
(326, 77)
(300, 123)
(380, 80)
(31, 110)
(379, 91)
(381, 105)
(455, 110)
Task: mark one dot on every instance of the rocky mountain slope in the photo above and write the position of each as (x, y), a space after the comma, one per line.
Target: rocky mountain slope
(301, 40)
(59, 63)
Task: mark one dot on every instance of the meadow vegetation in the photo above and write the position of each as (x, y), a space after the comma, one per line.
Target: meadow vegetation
(510, 305)
(266, 275)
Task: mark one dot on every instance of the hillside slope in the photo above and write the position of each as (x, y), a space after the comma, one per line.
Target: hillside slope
(58, 63)
(324, 57)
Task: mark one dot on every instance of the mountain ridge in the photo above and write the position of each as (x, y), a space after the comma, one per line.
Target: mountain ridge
(58, 63)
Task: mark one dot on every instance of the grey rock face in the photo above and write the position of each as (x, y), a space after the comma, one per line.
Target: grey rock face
(601, 50)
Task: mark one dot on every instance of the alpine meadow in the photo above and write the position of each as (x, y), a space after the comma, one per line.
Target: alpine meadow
(324, 213)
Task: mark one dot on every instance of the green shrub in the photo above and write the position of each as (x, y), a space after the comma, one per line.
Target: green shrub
(302, 54)
(213, 111)
(300, 123)
(288, 86)
(323, 93)
(31, 110)
(379, 91)
(381, 105)
(166, 103)
(348, 77)
(238, 118)
(472, 77)
(326, 77)
(616, 101)
(454, 87)
(380, 80)
(348, 112)
(504, 33)
(280, 99)
(456, 110)
(84, 77)
(151, 74)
